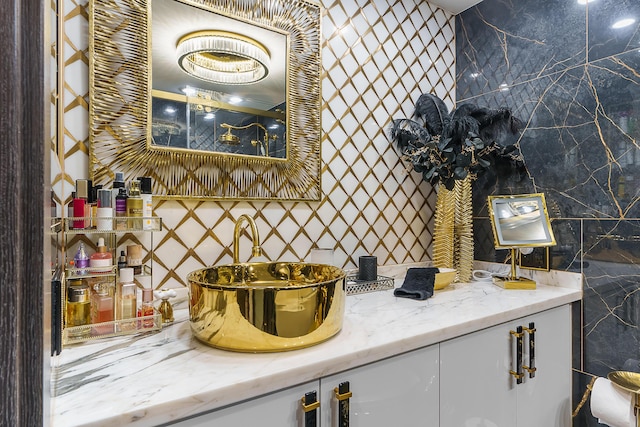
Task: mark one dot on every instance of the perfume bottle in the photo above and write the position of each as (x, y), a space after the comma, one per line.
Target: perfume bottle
(102, 308)
(127, 299)
(146, 308)
(81, 260)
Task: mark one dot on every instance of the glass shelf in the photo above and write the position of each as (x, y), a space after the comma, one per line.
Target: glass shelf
(116, 328)
(150, 224)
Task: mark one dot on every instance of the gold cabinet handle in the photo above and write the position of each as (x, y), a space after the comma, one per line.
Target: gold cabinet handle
(310, 405)
(517, 374)
(531, 331)
(343, 394)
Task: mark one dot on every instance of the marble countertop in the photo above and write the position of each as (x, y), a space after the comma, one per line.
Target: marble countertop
(166, 376)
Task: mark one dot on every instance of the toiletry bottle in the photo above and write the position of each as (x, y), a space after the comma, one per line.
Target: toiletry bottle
(78, 310)
(81, 209)
(92, 201)
(54, 206)
(102, 260)
(146, 308)
(134, 258)
(105, 211)
(118, 183)
(122, 261)
(127, 298)
(102, 308)
(70, 208)
(121, 209)
(147, 202)
(81, 260)
(135, 206)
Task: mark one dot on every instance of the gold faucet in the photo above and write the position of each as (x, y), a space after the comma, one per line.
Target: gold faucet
(256, 250)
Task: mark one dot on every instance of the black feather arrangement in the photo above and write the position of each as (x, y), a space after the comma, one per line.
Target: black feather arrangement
(433, 111)
(447, 147)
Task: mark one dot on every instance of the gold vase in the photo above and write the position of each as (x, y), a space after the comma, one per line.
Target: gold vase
(453, 234)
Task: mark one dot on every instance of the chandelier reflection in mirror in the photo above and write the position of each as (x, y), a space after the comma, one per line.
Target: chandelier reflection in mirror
(223, 57)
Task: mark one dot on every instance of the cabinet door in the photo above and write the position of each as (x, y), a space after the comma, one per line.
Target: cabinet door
(476, 389)
(545, 400)
(402, 391)
(279, 409)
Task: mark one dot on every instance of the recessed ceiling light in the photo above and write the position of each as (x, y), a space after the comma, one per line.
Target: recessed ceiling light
(170, 110)
(623, 23)
(585, 1)
(504, 87)
(209, 116)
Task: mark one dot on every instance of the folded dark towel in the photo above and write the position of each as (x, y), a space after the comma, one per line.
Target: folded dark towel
(418, 283)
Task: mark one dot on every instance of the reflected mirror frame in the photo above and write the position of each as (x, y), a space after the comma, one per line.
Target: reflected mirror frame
(120, 99)
(500, 242)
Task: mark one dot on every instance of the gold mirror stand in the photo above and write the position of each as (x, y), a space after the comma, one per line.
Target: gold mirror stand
(513, 281)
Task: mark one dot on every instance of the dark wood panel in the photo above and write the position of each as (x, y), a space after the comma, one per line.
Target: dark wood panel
(22, 186)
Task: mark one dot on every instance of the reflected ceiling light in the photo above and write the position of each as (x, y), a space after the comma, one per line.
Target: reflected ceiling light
(235, 100)
(585, 1)
(170, 110)
(223, 57)
(623, 23)
(209, 116)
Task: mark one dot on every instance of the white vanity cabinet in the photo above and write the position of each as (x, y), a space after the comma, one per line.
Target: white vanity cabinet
(399, 391)
(280, 409)
(402, 391)
(477, 388)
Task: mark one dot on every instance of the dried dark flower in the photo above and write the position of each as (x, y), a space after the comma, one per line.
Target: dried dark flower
(445, 147)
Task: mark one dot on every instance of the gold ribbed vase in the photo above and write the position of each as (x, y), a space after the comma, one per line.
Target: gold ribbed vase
(453, 234)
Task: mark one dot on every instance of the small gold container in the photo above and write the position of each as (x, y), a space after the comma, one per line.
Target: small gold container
(266, 307)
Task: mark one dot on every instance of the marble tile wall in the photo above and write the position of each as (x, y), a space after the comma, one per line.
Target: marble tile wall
(572, 74)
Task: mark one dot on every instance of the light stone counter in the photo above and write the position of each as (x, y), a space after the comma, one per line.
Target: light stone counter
(158, 378)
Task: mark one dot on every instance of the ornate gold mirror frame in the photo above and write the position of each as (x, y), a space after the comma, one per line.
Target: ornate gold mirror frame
(120, 100)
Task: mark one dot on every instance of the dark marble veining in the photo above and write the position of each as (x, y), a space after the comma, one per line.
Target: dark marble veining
(502, 42)
(604, 38)
(574, 81)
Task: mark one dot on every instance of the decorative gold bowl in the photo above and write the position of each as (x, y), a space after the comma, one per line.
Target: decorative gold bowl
(444, 277)
(266, 307)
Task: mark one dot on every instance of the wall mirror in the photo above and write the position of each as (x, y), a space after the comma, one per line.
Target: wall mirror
(211, 98)
(519, 221)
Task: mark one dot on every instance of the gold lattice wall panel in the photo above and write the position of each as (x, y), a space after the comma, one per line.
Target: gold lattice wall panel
(377, 58)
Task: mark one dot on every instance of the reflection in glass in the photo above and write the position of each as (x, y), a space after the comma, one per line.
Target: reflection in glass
(202, 104)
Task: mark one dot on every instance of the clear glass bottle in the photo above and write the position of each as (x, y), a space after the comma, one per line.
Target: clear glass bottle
(102, 308)
(127, 299)
(78, 310)
(146, 308)
(81, 260)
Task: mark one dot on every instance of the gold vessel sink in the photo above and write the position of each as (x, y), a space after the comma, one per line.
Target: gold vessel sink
(266, 306)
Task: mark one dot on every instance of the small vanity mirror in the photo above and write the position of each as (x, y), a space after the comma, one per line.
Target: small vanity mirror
(519, 221)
